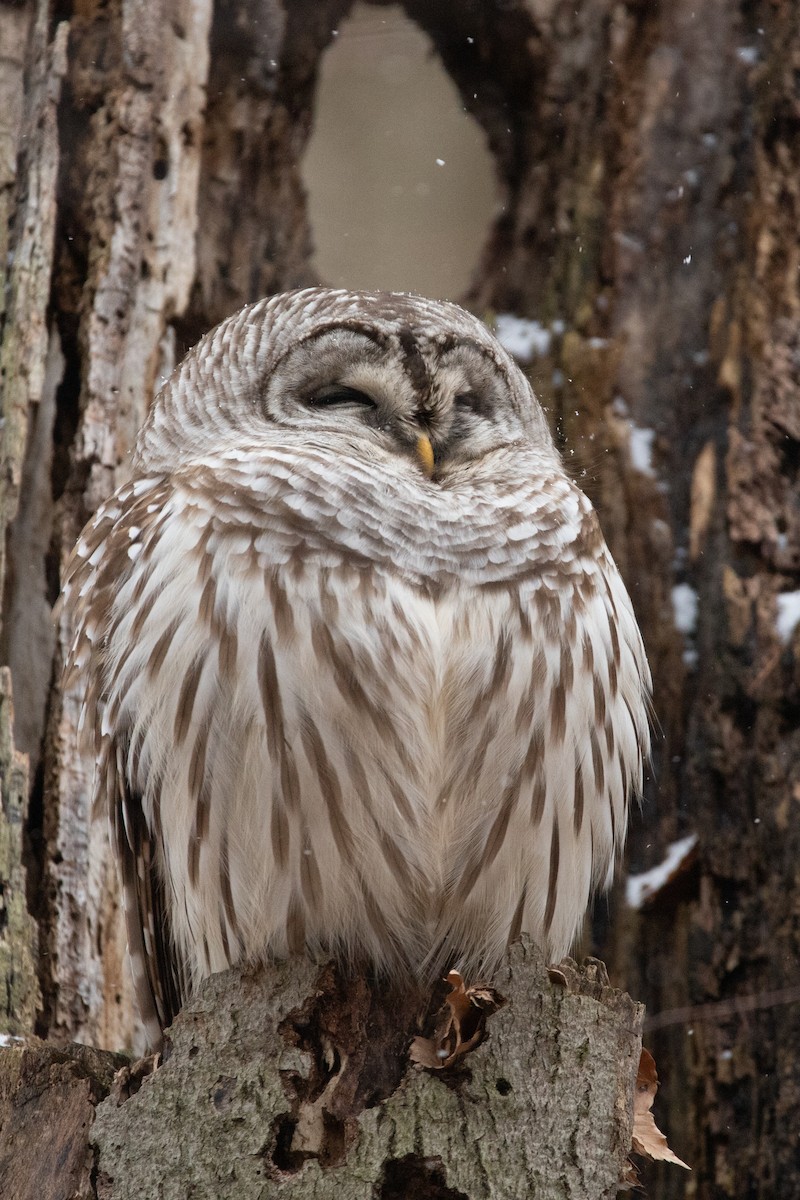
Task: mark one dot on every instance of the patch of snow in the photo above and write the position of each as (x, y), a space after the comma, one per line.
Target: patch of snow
(684, 607)
(788, 617)
(525, 340)
(641, 448)
(747, 55)
(8, 1039)
(639, 888)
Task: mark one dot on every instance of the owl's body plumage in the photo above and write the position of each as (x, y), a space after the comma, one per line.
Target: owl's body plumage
(347, 699)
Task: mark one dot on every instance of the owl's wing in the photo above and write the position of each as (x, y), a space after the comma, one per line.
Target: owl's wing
(101, 560)
(159, 976)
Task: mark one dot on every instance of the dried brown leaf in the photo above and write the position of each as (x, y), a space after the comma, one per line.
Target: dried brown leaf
(647, 1137)
(424, 1053)
(460, 1024)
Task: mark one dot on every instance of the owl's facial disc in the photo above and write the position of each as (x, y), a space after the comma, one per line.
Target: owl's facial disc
(439, 402)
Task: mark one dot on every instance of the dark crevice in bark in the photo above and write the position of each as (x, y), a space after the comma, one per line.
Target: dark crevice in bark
(424, 1179)
(356, 1030)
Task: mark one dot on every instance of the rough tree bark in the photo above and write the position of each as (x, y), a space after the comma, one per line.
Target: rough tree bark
(647, 162)
(271, 1088)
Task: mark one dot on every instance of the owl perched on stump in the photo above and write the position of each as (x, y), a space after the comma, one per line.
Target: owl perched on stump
(363, 676)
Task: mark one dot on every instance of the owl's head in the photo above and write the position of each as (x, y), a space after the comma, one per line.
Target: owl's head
(379, 374)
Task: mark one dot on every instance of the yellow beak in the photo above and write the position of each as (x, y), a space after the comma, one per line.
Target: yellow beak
(425, 454)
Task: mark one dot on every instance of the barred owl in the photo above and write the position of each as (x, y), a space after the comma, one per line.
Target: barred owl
(363, 676)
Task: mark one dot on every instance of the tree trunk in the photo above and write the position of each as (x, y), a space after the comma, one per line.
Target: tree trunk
(294, 1082)
(647, 164)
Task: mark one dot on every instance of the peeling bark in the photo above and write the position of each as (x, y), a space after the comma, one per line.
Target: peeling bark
(28, 370)
(18, 936)
(133, 119)
(47, 1101)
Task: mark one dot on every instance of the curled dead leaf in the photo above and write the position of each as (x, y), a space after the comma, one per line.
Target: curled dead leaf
(460, 1024)
(647, 1137)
